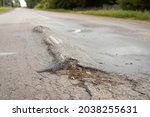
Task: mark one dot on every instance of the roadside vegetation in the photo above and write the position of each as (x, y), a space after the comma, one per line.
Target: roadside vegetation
(71, 4)
(134, 9)
(140, 15)
(5, 9)
(9, 3)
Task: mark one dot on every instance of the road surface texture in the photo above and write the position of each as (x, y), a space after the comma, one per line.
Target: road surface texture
(48, 55)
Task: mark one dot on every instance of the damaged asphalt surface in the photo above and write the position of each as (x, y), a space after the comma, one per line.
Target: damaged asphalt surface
(47, 55)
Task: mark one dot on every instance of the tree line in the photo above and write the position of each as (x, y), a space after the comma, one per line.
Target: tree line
(11, 3)
(71, 4)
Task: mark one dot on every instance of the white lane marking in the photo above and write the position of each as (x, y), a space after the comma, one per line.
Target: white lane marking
(7, 53)
(54, 40)
(77, 30)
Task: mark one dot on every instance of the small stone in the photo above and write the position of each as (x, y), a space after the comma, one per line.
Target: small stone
(89, 73)
(129, 63)
(40, 79)
(38, 87)
(72, 77)
(74, 82)
(100, 63)
(92, 80)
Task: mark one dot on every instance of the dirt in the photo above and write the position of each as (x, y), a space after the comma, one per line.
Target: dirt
(97, 84)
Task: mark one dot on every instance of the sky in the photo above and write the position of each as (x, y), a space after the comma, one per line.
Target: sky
(23, 3)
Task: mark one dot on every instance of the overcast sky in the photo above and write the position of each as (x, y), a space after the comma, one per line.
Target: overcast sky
(23, 3)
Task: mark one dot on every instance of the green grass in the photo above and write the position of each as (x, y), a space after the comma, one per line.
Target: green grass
(5, 9)
(61, 10)
(126, 14)
(118, 14)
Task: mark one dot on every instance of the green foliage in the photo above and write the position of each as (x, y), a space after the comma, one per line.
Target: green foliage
(144, 4)
(5, 2)
(5, 9)
(32, 3)
(1, 2)
(66, 4)
(81, 3)
(134, 4)
(16, 3)
(48, 4)
(38, 6)
(119, 14)
(70, 4)
(96, 3)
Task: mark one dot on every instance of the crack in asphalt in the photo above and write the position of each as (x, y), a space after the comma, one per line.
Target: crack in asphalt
(140, 92)
(88, 91)
(11, 92)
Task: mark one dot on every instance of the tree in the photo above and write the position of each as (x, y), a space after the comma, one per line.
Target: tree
(1, 3)
(134, 4)
(70, 4)
(16, 3)
(144, 4)
(66, 4)
(32, 3)
(109, 2)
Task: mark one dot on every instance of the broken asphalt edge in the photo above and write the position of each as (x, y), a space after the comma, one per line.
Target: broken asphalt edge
(54, 49)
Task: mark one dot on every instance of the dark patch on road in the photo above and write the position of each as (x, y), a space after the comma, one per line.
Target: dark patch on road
(129, 63)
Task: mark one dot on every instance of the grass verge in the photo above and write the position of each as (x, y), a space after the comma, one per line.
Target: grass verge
(5, 9)
(139, 15)
(126, 14)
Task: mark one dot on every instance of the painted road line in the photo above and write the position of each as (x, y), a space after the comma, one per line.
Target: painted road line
(77, 30)
(7, 53)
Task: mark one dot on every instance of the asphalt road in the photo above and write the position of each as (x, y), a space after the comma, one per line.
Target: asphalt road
(113, 45)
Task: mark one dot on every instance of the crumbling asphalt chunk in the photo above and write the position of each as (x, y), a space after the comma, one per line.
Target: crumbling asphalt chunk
(60, 61)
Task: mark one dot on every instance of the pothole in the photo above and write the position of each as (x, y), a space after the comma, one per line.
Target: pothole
(71, 67)
(74, 70)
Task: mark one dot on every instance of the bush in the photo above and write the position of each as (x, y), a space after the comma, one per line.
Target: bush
(4, 9)
(38, 6)
(119, 14)
(134, 4)
(32, 3)
(66, 4)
